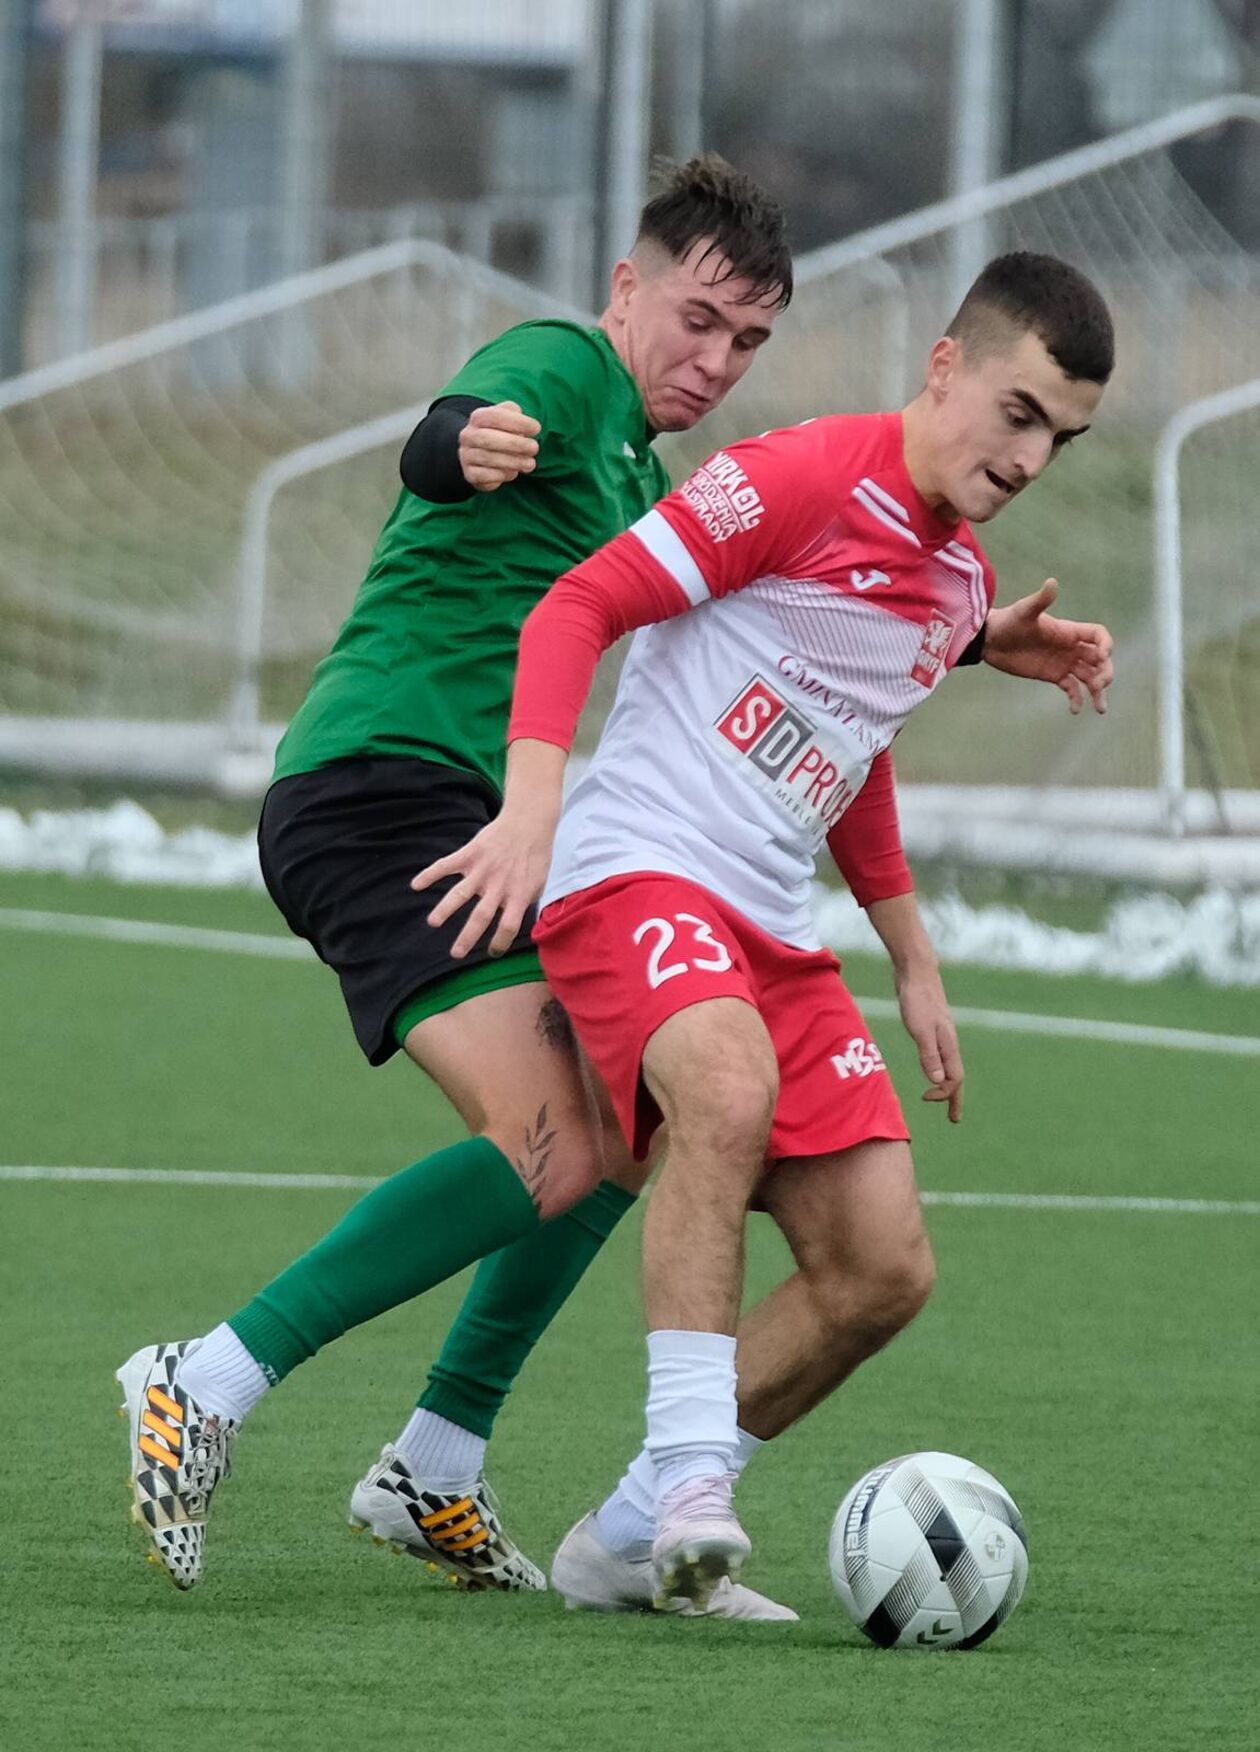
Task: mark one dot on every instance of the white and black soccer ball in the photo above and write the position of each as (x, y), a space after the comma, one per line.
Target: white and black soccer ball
(928, 1551)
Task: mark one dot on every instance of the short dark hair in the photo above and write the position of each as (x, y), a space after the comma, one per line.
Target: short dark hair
(706, 199)
(1054, 300)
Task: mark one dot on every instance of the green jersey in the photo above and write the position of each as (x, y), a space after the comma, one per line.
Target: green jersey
(424, 664)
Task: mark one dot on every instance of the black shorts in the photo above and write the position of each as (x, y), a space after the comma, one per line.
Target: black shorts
(338, 849)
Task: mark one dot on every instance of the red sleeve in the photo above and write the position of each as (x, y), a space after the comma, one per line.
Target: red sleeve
(587, 610)
(748, 512)
(866, 841)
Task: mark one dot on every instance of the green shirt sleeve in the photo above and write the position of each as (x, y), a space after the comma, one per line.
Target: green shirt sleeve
(556, 372)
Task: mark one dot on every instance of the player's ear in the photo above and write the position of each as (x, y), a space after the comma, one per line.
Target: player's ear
(625, 278)
(944, 363)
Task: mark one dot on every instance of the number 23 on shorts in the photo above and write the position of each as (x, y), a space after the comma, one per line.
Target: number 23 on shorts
(663, 938)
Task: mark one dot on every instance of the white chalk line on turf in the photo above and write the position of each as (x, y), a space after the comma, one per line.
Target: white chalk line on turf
(1086, 1028)
(146, 931)
(1030, 1201)
(292, 949)
(197, 1177)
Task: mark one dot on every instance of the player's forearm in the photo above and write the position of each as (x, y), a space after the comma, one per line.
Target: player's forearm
(589, 609)
(866, 841)
(534, 789)
(561, 644)
(901, 930)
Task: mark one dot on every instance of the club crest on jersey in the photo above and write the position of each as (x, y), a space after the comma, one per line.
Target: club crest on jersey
(784, 754)
(723, 498)
(937, 637)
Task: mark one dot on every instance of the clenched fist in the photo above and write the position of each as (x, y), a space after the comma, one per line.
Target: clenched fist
(498, 444)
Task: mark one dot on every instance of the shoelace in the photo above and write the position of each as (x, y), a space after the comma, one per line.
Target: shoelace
(208, 1460)
(696, 1497)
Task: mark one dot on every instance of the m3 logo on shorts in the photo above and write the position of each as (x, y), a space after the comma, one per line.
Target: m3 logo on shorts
(784, 754)
(858, 1059)
(937, 636)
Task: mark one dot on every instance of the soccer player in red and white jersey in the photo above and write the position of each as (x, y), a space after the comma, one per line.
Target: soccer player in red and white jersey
(798, 597)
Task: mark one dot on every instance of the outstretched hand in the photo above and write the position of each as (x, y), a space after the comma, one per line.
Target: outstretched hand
(1024, 639)
(502, 869)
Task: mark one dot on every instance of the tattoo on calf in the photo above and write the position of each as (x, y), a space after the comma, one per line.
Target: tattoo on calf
(532, 1164)
(554, 1026)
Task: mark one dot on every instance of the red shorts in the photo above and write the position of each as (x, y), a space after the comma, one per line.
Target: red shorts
(624, 956)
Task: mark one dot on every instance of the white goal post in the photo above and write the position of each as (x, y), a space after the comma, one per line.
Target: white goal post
(1210, 411)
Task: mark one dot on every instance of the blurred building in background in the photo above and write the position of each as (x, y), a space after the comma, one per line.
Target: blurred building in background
(164, 154)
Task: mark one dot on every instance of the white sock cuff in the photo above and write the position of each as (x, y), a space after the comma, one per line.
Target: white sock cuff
(444, 1455)
(222, 1376)
(668, 1344)
(746, 1447)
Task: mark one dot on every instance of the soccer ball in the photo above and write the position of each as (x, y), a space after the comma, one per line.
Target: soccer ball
(928, 1551)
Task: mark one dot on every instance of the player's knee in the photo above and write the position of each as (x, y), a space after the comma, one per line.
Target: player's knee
(728, 1114)
(878, 1301)
(557, 1155)
(898, 1286)
(914, 1280)
(570, 1174)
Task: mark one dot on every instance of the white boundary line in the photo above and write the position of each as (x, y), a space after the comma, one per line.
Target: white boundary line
(197, 1177)
(1023, 1201)
(1084, 1028)
(292, 949)
(147, 931)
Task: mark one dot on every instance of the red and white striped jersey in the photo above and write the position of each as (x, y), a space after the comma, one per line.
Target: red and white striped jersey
(814, 600)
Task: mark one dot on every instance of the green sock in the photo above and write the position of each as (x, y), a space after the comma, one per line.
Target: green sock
(513, 1299)
(409, 1233)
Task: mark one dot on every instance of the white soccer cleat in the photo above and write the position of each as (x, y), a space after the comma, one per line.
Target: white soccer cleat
(458, 1532)
(594, 1579)
(178, 1455)
(698, 1540)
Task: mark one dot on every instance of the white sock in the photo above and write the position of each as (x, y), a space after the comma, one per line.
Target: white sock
(444, 1455)
(691, 1417)
(222, 1376)
(746, 1447)
(627, 1519)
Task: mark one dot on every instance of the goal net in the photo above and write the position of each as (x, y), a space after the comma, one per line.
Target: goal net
(1186, 301)
(142, 633)
(186, 514)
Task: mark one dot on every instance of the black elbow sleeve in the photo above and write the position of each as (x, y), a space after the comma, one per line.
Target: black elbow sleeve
(430, 460)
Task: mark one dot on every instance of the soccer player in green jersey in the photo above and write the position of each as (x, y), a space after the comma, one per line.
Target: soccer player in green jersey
(534, 455)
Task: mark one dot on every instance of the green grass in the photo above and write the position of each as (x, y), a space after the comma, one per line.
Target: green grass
(1101, 1363)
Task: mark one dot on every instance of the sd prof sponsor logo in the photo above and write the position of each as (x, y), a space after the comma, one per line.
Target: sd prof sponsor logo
(783, 751)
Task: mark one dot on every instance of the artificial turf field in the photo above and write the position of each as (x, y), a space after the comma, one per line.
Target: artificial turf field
(1101, 1362)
